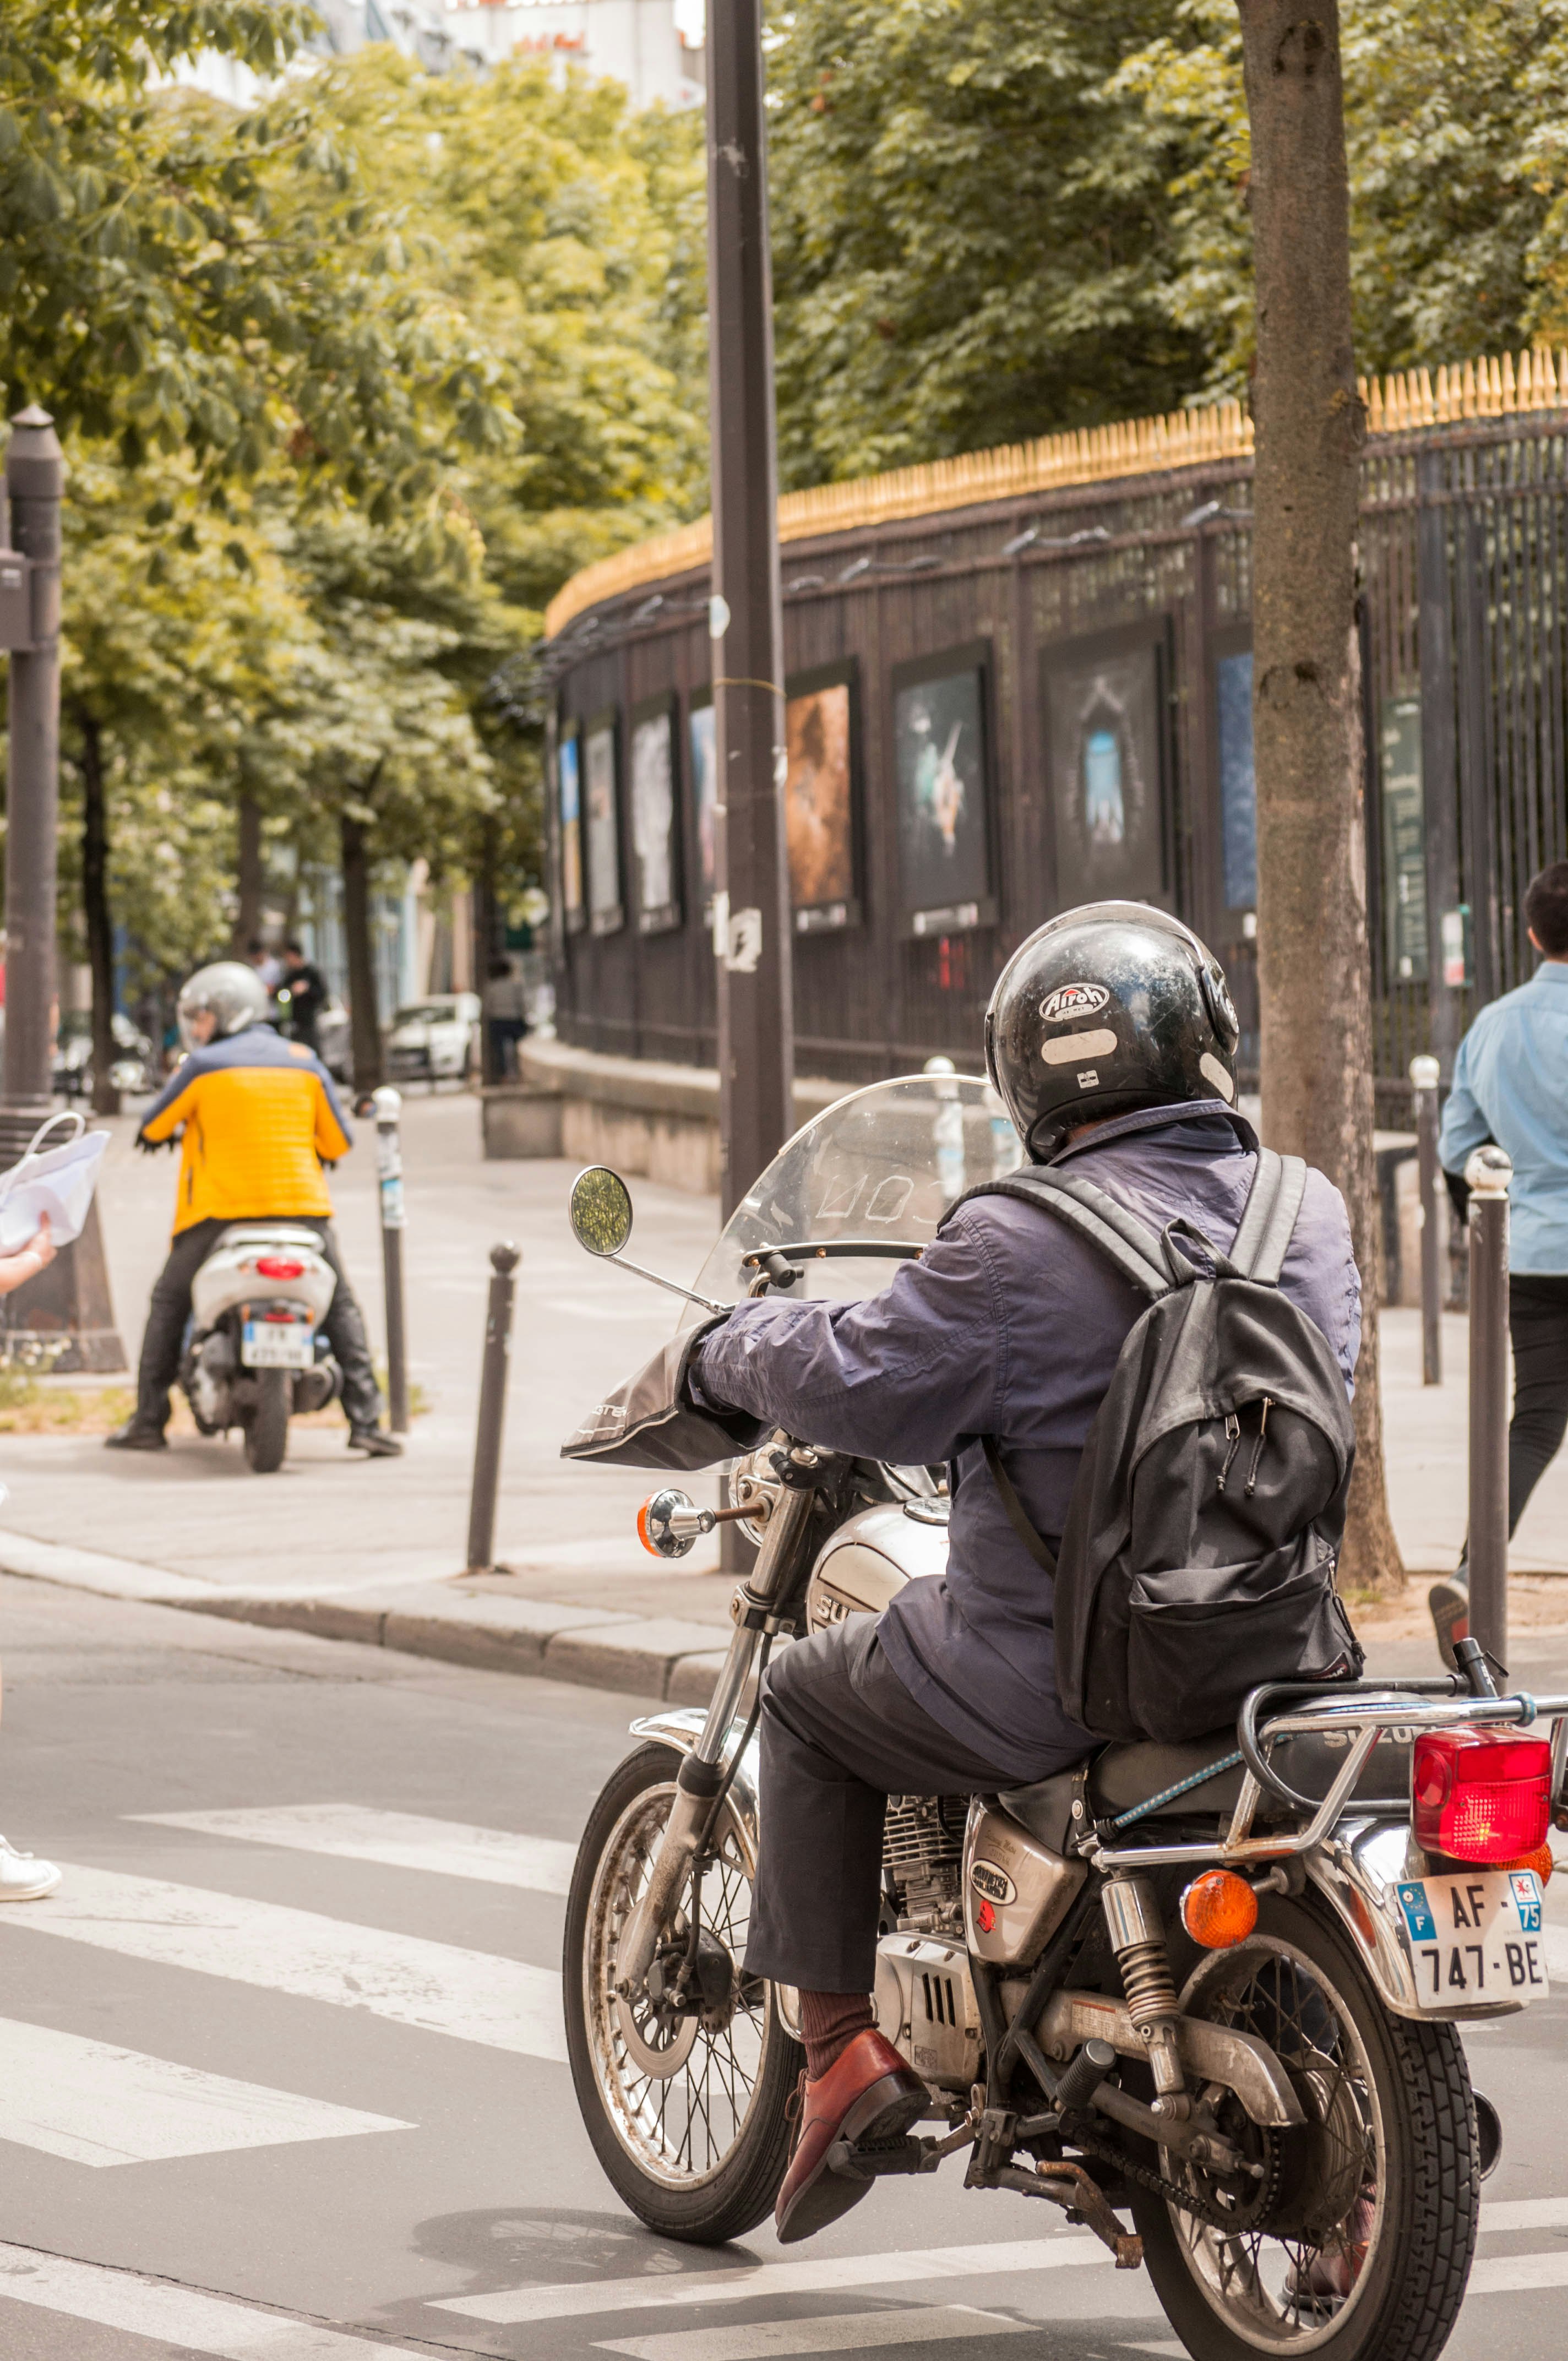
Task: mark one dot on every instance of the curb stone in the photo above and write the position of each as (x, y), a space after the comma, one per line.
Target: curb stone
(587, 1647)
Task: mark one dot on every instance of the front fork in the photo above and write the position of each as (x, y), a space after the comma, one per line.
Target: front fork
(702, 1773)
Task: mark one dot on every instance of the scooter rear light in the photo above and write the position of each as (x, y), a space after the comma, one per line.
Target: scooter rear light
(275, 1267)
(1480, 1795)
(287, 1318)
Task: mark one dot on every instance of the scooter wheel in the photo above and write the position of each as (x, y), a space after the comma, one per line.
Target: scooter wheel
(267, 1434)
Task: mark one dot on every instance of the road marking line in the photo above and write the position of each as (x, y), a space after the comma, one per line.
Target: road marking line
(176, 2315)
(849, 2331)
(436, 1987)
(1524, 2213)
(93, 2103)
(1512, 2273)
(510, 2307)
(397, 1840)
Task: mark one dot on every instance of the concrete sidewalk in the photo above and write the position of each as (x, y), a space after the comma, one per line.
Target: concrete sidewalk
(372, 1551)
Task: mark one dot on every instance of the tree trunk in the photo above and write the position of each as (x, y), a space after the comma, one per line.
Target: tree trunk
(369, 1071)
(96, 919)
(250, 878)
(1314, 968)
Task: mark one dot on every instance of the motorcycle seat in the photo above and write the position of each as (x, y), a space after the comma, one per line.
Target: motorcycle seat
(1123, 1776)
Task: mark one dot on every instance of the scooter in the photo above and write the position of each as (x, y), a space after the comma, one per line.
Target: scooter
(253, 1352)
(1206, 1999)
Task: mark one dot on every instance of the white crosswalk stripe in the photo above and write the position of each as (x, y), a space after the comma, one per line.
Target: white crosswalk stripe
(397, 1840)
(180, 2316)
(849, 2331)
(94, 2104)
(436, 1987)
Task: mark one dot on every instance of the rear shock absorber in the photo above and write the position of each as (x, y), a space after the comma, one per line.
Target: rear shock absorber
(1138, 1937)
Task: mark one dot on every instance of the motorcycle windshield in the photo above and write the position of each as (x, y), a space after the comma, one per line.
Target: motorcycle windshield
(878, 1168)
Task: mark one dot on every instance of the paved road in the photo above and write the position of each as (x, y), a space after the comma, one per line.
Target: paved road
(289, 2038)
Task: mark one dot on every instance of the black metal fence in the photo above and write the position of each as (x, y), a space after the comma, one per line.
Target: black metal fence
(1078, 655)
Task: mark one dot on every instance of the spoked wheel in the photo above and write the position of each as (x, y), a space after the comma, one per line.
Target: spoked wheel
(684, 2106)
(266, 1428)
(1354, 2238)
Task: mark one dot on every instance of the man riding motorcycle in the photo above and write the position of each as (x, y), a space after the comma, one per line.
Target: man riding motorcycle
(259, 1118)
(1008, 1326)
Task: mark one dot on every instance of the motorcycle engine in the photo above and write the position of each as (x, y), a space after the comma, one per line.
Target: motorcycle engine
(923, 1852)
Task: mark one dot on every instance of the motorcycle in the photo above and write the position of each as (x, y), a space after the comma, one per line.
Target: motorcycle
(1215, 1988)
(254, 1354)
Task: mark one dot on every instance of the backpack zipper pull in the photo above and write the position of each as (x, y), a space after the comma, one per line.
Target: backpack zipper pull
(1257, 1455)
(1233, 1437)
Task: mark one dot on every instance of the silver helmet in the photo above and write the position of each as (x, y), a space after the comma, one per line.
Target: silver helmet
(233, 994)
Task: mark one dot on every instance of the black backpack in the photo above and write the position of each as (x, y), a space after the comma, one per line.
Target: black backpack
(1205, 1521)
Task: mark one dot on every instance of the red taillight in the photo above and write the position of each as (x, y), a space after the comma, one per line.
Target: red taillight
(274, 1267)
(1480, 1795)
(288, 1318)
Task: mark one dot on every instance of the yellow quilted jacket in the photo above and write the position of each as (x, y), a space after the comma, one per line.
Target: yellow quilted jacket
(260, 1119)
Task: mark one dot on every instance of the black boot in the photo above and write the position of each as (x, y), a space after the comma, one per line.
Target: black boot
(138, 1434)
(374, 1443)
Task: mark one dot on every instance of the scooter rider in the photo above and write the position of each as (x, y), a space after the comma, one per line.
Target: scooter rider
(1008, 1325)
(259, 1118)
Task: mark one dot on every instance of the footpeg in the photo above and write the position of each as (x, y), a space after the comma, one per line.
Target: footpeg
(871, 2161)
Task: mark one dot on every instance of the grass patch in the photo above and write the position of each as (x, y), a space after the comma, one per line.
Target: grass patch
(52, 1406)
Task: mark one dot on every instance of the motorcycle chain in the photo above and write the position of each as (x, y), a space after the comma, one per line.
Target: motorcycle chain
(1077, 2130)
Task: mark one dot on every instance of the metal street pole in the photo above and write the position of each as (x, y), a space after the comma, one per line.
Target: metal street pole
(494, 1370)
(1487, 1175)
(1425, 1074)
(34, 479)
(388, 1106)
(752, 939)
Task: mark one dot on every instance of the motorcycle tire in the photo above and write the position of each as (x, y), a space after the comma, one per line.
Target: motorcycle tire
(1374, 2206)
(266, 1428)
(688, 2122)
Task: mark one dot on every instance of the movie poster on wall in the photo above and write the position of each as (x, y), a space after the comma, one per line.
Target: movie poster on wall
(705, 799)
(1103, 708)
(819, 800)
(605, 911)
(568, 762)
(939, 764)
(655, 844)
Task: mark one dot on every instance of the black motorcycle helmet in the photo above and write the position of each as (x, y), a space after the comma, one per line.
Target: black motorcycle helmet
(1109, 1007)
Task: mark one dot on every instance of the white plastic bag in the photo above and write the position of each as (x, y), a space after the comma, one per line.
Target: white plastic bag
(57, 1181)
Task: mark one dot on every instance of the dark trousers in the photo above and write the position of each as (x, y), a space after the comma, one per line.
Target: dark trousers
(840, 1734)
(1537, 1326)
(171, 1308)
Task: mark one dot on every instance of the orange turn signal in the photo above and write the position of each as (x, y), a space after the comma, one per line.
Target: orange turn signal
(1219, 1909)
(1540, 1861)
(644, 1535)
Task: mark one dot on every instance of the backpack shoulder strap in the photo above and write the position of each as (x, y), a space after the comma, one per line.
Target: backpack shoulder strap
(1017, 1515)
(1268, 1218)
(1120, 1237)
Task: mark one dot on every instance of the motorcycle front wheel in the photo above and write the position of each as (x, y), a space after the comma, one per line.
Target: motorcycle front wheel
(686, 2115)
(1354, 2241)
(266, 1428)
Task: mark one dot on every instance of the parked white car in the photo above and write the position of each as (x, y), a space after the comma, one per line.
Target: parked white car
(435, 1038)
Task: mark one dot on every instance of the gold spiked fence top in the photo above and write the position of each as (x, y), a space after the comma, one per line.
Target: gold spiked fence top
(1141, 446)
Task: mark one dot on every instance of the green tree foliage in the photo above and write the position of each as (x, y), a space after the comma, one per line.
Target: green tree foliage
(956, 261)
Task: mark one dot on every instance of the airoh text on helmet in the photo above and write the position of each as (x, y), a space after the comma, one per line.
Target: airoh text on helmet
(1106, 1008)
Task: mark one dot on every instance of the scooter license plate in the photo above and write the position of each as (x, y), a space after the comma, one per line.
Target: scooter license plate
(1475, 1938)
(268, 1344)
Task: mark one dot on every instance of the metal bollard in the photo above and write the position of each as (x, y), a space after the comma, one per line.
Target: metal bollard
(388, 1106)
(1487, 1175)
(1425, 1075)
(504, 1260)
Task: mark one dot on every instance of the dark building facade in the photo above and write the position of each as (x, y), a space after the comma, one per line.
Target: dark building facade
(1022, 681)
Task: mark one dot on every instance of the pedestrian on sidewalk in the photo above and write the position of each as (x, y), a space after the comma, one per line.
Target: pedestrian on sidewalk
(1510, 1085)
(23, 1876)
(306, 987)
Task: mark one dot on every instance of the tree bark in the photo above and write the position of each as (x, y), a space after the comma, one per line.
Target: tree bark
(250, 878)
(1314, 967)
(365, 1018)
(97, 920)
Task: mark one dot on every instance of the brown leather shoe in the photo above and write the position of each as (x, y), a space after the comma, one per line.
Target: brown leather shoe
(868, 2094)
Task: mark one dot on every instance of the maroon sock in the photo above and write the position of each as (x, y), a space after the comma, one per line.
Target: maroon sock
(828, 2022)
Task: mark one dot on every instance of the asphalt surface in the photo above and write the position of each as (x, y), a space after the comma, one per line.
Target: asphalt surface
(259, 2096)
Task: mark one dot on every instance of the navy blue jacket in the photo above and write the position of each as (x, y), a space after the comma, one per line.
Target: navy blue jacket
(1010, 1324)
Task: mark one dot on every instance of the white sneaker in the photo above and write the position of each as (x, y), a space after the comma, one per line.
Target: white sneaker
(23, 1876)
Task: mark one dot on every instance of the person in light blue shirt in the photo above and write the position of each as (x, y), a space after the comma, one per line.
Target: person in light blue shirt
(1510, 1084)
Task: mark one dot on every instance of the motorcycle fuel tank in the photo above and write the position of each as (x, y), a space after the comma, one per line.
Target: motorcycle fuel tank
(865, 1565)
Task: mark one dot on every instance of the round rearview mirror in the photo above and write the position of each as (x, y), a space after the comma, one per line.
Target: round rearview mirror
(600, 1209)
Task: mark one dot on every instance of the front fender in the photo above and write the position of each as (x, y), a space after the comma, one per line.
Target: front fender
(681, 1728)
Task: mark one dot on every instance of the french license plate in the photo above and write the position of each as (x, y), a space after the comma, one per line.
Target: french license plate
(268, 1344)
(1475, 1940)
